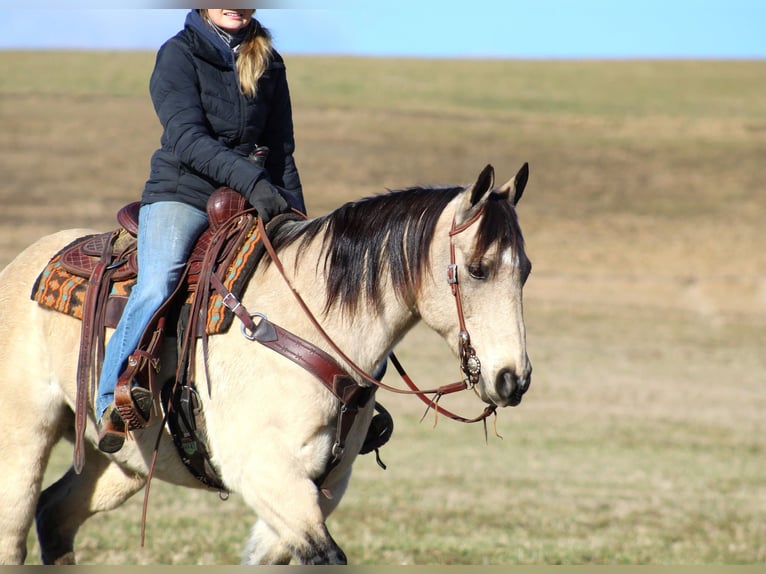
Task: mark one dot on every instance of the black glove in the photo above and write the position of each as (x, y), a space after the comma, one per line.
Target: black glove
(267, 200)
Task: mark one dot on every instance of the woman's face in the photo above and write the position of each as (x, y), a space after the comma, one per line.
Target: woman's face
(230, 19)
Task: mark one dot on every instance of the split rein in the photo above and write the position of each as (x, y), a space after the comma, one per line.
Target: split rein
(469, 362)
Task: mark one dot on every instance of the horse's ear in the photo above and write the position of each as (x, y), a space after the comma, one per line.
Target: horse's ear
(483, 184)
(475, 197)
(516, 184)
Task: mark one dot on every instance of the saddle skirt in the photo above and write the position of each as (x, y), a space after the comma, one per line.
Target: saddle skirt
(63, 283)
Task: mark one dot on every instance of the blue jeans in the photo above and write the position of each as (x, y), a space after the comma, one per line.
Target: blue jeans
(167, 232)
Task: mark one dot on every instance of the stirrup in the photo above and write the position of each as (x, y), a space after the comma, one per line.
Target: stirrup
(111, 427)
(380, 430)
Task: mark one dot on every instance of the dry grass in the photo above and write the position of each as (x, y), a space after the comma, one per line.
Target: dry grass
(642, 438)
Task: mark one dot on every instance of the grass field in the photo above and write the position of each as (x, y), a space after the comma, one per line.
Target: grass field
(642, 439)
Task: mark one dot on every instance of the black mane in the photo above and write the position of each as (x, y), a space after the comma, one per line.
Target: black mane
(394, 229)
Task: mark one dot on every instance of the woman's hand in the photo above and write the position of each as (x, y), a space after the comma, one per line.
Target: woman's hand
(267, 200)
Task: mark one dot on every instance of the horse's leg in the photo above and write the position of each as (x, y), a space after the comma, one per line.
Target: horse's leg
(290, 522)
(65, 505)
(267, 546)
(31, 422)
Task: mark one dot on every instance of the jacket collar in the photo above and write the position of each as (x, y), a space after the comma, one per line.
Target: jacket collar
(211, 46)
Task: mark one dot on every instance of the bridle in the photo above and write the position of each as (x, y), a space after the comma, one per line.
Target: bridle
(469, 362)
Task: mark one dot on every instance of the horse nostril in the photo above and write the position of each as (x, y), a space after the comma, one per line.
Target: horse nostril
(507, 383)
(526, 380)
(511, 386)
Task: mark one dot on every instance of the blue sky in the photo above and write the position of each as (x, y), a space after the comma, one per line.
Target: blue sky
(422, 28)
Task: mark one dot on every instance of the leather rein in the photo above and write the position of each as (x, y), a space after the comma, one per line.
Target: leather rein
(469, 361)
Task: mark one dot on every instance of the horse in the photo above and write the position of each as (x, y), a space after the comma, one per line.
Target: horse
(452, 257)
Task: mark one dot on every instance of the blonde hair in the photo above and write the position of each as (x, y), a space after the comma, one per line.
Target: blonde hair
(254, 56)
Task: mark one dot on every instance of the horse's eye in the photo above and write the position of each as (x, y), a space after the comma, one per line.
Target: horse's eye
(477, 270)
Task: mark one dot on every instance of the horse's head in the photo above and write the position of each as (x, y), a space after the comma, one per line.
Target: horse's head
(474, 296)
(391, 259)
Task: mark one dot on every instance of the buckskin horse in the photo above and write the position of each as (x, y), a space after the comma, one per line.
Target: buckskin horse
(349, 284)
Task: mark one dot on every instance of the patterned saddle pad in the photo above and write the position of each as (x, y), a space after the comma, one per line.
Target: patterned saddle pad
(60, 289)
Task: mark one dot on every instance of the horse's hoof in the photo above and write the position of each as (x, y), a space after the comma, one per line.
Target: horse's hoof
(65, 560)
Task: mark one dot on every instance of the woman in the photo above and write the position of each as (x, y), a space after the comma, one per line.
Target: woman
(220, 90)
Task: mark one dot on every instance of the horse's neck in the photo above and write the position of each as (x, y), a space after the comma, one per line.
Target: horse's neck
(366, 337)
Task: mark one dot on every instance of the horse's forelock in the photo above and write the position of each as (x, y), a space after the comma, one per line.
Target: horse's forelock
(499, 226)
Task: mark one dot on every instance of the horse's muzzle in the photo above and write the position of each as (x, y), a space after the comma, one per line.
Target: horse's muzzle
(510, 386)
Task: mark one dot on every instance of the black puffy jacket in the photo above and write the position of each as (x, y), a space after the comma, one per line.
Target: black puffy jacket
(210, 127)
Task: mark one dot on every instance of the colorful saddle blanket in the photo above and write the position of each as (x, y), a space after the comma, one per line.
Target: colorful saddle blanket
(62, 287)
